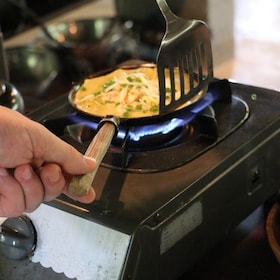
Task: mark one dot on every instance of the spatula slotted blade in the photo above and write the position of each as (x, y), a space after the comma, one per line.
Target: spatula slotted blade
(185, 49)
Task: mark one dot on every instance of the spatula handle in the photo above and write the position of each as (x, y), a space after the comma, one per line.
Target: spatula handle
(97, 149)
(166, 12)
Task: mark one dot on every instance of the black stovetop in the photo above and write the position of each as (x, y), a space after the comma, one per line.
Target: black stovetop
(142, 148)
(127, 198)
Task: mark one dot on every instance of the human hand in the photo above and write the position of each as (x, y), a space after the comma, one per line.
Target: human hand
(35, 165)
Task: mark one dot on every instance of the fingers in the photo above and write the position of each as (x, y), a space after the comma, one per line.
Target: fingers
(52, 149)
(19, 192)
(31, 185)
(53, 181)
(45, 185)
(24, 190)
(12, 200)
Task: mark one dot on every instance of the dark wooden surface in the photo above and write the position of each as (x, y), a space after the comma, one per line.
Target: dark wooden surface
(244, 255)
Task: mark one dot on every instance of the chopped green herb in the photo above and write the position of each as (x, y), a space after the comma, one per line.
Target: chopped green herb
(97, 93)
(109, 102)
(126, 114)
(108, 84)
(129, 108)
(154, 108)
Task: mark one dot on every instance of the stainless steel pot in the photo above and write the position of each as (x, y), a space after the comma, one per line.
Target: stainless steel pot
(32, 69)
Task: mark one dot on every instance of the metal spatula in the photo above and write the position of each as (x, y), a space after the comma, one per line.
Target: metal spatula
(185, 48)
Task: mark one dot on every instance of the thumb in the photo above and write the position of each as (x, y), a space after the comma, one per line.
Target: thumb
(52, 149)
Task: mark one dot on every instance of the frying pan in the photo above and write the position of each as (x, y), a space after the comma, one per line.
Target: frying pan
(108, 127)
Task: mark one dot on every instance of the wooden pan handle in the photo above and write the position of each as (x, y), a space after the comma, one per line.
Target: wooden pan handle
(97, 149)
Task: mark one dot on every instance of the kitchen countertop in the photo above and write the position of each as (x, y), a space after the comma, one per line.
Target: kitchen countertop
(244, 254)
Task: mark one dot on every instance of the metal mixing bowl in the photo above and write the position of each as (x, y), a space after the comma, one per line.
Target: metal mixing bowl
(32, 69)
(99, 43)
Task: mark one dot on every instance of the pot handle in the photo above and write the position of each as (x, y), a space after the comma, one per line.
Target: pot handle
(97, 149)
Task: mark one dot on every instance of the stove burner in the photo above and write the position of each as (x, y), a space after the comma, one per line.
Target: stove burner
(167, 143)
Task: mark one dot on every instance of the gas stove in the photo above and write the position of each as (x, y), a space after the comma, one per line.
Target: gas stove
(167, 191)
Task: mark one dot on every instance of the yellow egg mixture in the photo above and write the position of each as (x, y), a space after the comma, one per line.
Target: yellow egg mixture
(124, 93)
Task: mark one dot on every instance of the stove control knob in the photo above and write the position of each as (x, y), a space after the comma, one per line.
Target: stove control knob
(18, 238)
